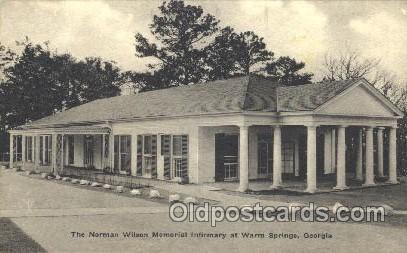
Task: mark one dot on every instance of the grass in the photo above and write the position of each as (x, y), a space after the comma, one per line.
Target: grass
(393, 195)
(13, 239)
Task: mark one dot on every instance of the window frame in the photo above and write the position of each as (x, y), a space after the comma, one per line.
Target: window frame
(29, 149)
(88, 150)
(288, 148)
(176, 158)
(71, 149)
(147, 157)
(45, 149)
(118, 153)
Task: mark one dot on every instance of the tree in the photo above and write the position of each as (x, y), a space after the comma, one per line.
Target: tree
(286, 71)
(191, 47)
(7, 56)
(347, 65)
(41, 82)
(95, 79)
(28, 90)
(234, 54)
(181, 31)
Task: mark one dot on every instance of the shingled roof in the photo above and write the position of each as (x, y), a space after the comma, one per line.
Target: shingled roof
(224, 96)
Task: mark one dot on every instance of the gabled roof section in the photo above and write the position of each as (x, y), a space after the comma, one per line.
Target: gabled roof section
(308, 97)
(261, 95)
(362, 97)
(225, 96)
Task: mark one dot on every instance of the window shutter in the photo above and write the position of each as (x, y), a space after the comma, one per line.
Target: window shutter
(154, 156)
(139, 170)
(184, 156)
(166, 152)
(128, 153)
(58, 152)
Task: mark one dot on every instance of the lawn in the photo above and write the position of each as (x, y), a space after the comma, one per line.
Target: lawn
(393, 195)
(13, 239)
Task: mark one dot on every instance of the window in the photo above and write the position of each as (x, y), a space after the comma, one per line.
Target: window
(177, 145)
(147, 155)
(71, 149)
(88, 150)
(29, 148)
(45, 149)
(122, 153)
(174, 149)
(147, 145)
(125, 153)
(17, 148)
(231, 156)
(177, 155)
(41, 149)
(288, 157)
(48, 149)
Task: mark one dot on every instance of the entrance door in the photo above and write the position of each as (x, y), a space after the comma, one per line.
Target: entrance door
(265, 155)
(88, 151)
(226, 157)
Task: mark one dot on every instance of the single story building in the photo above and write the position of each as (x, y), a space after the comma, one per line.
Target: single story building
(237, 129)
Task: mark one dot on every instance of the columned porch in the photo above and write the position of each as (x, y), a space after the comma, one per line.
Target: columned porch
(337, 156)
(52, 150)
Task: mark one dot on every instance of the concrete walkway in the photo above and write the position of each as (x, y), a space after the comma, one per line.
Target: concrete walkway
(214, 194)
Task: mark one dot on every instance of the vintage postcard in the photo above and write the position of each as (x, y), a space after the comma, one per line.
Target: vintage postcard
(203, 126)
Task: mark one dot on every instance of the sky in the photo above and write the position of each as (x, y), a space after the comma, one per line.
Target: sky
(305, 30)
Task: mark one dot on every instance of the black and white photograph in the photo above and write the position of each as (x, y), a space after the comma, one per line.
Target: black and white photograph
(203, 126)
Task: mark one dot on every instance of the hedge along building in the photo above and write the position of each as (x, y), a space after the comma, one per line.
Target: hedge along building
(236, 129)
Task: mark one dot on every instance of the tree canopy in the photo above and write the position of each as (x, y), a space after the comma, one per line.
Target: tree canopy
(40, 82)
(190, 46)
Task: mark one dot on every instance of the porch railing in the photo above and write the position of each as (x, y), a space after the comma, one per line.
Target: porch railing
(98, 176)
(231, 166)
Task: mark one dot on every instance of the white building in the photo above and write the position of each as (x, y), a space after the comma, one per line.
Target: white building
(237, 129)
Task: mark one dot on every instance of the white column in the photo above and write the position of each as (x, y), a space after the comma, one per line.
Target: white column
(392, 156)
(244, 159)
(62, 153)
(369, 177)
(311, 159)
(359, 161)
(111, 151)
(23, 154)
(341, 162)
(54, 153)
(380, 151)
(134, 155)
(102, 160)
(333, 150)
(276, 157)
(11, 151)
